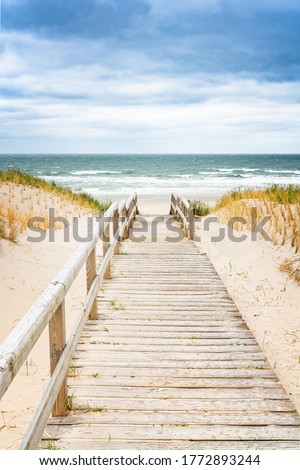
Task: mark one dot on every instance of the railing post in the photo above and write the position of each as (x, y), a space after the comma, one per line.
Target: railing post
(181, 207)
(171, 207)
(124, 220)
(115, 226)
(136, 212)
(177, 205)
(130, 215)
(134, 206)
(185, 213)
(106, 245)
(57, 342)
(90, 276)
(191, 222)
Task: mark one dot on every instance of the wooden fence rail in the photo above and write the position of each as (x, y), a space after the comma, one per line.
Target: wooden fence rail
(50, 309)
(184, 211)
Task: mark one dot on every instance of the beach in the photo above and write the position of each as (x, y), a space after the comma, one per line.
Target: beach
(267, 299)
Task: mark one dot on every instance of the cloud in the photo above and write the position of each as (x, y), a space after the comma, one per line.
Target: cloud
(123, 76)
(212, 36)
(161, 7)
(49, 102)
(88, 18)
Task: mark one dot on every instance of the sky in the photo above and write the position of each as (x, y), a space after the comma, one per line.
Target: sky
(150, 76)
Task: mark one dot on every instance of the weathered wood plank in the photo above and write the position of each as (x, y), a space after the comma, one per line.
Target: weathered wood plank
(95, 379)
(113, 444)
(173, 356)
(162, 432)
(103, 346)
(164, 373)
(199, 405)
(188, 341)
(146, 418)
(195, 364)
(165, 333)
(96, 391)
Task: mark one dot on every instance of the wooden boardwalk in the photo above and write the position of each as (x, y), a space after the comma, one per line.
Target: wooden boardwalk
(170, 363)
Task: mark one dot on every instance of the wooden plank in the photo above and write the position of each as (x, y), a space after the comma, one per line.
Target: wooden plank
(160, 307)
(98, 380)
(209, 418)
(173, 356)
(164, 373)
(96, 391)
(162, 432)
(194, 364)
(178, 323)
(103, 346)
(179, 333)
(124, 315)
(107, 338)
(113, 444)
(199, 405)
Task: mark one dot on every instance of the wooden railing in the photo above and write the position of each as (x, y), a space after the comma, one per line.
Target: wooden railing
(49, 309)
(183, 211)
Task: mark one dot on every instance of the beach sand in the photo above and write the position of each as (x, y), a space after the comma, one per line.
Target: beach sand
(268, 301)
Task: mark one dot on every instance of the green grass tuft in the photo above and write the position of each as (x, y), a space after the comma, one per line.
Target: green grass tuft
(200, 208)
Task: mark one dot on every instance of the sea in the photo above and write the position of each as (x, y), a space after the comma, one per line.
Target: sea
(155, 177)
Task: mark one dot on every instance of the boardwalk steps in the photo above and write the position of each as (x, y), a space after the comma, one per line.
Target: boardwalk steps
(169, 362)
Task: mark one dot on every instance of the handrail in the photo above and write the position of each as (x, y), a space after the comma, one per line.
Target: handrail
(49, 309)
(183, 210)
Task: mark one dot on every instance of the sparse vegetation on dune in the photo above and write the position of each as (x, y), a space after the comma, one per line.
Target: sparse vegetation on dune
(280, 202)
(292, 268)
(200, 208)
(81, 198)
(23, 196)
(277, 193)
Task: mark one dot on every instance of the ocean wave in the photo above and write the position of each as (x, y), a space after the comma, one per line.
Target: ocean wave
(292, 172)
(231, 170)
(184, 175)
(94, 172)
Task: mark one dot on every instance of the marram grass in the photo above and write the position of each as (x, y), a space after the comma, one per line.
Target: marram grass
(81, 198)
(25, 196)
(277, 193)
(280, 202)
(200, 208)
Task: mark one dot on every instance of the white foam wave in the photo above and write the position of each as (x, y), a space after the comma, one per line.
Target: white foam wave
(230, 170)
(293, 172)
(94, 172)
